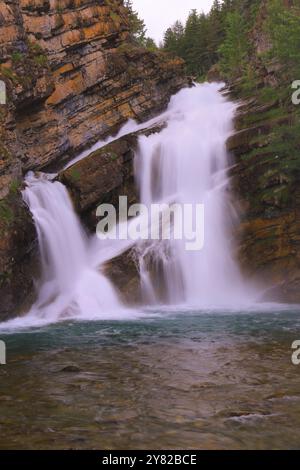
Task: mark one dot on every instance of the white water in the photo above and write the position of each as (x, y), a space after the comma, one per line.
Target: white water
(71, 285)
(185, 163)
(130, 126)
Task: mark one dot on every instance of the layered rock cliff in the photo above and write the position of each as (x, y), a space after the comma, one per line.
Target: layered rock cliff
(73, 76)
(266, 174)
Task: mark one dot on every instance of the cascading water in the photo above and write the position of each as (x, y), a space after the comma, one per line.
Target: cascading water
(71, 284)
(186, 163)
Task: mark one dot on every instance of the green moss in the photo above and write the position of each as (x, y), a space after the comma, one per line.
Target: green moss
(115, 18)
(35, 47)
(114, 156)
(59, 8)
(14, 187)
(75, 174)
(4, 153)
(4, 277)
(8, 73)
(41, 60)
(6, 214)
(279, 196)
(17, 56)
(268, 94)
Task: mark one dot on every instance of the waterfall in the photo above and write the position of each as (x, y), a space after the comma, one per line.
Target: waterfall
(186, 163)
(71, 284)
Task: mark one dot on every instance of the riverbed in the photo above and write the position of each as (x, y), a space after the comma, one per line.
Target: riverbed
(167, 380)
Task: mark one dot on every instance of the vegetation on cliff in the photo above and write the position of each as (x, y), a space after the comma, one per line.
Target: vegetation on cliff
(199, 41)
(223, 36)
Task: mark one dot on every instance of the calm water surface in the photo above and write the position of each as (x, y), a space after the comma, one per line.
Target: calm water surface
(185, 380)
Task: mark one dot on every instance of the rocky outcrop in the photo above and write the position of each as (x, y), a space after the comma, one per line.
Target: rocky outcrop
(266, 175)
(101, 177)
(266, 185)
(123, 271)
(73, 76)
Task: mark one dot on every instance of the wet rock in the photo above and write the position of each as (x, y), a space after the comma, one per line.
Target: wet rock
(123, 271)
(102, 177)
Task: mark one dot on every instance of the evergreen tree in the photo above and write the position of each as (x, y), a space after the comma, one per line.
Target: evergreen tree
(150, 44)
(138, 28)
(215, 32)
(136, 24)
(192, 48)
(221, 37)
(235, 46)
(198, 41)
(173, 39)
(284, 29)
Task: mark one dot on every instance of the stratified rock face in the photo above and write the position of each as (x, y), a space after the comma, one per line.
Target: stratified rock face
(267, 188)
(73, 76)
(266, 177)
(269, 199)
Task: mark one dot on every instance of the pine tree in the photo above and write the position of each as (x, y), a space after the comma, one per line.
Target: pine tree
(169, 42)
(192, 49)
(284, 29)
(138, 28)
(173, 39)
(235, 46)
(220, 35)
(150, 44)
(136, 24)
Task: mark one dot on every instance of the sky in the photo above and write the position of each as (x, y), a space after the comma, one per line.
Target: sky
(160, 14)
